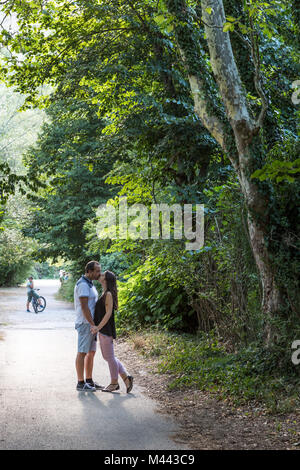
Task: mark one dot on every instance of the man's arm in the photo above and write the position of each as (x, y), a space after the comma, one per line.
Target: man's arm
(86, 310)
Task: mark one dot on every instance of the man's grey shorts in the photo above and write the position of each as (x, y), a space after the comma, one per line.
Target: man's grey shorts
(86, 340)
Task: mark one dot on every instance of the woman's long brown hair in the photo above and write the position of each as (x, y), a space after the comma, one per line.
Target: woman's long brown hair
(111, 283)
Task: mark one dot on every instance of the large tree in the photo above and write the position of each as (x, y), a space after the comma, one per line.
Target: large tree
(70, 159)
(214, 76)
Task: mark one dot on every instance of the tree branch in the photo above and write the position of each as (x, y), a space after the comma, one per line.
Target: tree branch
(257, 77)
(224, 67)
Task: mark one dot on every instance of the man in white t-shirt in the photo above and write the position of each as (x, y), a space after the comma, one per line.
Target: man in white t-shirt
(85, 298)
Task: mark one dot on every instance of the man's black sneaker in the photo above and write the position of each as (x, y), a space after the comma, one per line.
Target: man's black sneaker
(86, 387)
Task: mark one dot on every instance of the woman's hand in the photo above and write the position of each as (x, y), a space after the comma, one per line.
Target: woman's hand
(94, 329)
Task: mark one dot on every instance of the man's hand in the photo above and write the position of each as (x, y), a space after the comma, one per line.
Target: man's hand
(94, 330)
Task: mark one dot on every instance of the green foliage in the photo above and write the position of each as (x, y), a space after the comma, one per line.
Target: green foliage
(279, 171)
(17, 131)
(74, 178)
(45, 271)
(66, 290)
(9, 181)
(286, 169)
(115, 262)
(149, 295)
(16, 257)
(284, 229)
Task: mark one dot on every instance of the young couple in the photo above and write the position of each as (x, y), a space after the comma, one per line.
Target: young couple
(96, 316)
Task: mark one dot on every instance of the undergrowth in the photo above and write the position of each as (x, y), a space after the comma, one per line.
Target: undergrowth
(202, 362)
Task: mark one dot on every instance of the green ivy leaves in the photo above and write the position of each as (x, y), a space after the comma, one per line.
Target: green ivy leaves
(279, 171)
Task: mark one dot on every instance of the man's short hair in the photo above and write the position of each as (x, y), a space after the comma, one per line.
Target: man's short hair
(91, 266)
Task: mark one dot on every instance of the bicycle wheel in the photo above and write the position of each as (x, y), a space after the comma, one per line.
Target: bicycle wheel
(34, 304)
(40, 307)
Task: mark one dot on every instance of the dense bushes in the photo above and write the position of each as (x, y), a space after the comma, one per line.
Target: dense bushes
(202, 362)
(151, 294)
(15, 257)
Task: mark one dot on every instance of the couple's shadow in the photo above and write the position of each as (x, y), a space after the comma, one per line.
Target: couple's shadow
(95, 397)
(107, 415)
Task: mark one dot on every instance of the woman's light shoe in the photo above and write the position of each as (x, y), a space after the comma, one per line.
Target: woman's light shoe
(111, 388)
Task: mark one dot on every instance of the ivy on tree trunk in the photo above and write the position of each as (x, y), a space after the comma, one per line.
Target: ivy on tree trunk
(236, 131)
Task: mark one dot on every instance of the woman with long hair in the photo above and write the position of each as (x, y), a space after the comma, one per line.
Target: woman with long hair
(105, 325)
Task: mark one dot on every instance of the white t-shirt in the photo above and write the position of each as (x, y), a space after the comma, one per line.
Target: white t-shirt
(84, 288)
(28, 285)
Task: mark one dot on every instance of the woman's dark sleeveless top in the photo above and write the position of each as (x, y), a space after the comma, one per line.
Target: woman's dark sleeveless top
(110, 328)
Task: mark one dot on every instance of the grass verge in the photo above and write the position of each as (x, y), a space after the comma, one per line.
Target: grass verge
(201, 362)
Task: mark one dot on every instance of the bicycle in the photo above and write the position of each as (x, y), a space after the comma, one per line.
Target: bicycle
(38, 307)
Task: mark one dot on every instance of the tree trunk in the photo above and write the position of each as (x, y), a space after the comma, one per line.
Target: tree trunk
(272, 300)
(257, 203)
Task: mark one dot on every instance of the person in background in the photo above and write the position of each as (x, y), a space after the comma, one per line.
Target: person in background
(31, 292)
(105, 326)
(61, 276)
